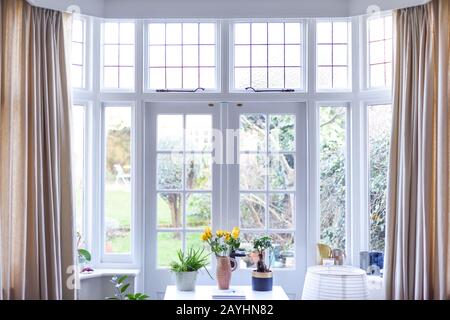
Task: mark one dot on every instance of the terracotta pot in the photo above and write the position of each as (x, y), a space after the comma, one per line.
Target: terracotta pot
(223, 272)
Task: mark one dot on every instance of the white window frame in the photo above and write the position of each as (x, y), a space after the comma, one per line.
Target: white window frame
(136, 56)
(130, 257)
(218, 58)
(350, 49)
(304, 42)
(364, 55)
(356, 98)
(87, 54)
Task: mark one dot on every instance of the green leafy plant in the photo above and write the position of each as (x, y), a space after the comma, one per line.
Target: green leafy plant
(191, 260)
(261, 244)
(121, 288)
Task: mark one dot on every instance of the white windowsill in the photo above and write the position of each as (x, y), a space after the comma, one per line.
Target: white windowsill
(97, 273)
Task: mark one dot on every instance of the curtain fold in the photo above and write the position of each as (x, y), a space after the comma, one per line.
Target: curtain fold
(417, 235)
(36, 212)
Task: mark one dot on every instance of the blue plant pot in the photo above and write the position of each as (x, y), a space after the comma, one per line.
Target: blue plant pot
(262, 281)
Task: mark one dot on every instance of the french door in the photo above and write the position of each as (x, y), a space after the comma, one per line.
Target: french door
(225, 165)
(267, 187)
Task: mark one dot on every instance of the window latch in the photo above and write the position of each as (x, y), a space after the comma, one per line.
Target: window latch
(181, 90)
(268, 90)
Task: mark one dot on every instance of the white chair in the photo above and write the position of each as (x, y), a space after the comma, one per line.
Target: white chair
(121, 176)
(335, 283)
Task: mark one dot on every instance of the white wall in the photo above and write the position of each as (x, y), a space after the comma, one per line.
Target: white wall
(224, 8)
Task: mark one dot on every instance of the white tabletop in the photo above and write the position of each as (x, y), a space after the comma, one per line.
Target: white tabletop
(205, 292)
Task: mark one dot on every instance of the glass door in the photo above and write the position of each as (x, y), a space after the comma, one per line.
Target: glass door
(267, 187)
(182, 184)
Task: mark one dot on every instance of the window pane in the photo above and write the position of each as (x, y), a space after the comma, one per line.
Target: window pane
(252, 210)
(282, 133)
(193, 240)
(242, 77)
(283, 250)
(259, 78)
(168, 245)
(265, 48)
(281, 211)
(118, 52)
(281, 172)
(188, 57)
(252, 133)
(208, 78)
(111, 55)
(207, 56)
(126, 77)
(379, 132)
(198, 172)
(173, 33)
(259, 56)
(157, 56)
(78, 140)
(276, 56)
(259, 33)
(77, 53)
(111, 77)
(207, 33)
(118, 179)
(276, 33)
(170, 132)
(379, 47)
(126, 54)
(255, 163)
(190, 33)
(170, 171)
(198, 210)
(156, 33)
(199, 132)
(77, 76)
(276, 78)
(111, 33)
(190, 78)
(293, 33)
(77, 30)
(292, 55)
(332, 55)
(170, 210)
(332, 176)
(157, 78)
(126, 35)
(242, 33)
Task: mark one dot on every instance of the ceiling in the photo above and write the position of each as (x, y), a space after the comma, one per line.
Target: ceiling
(141, 9)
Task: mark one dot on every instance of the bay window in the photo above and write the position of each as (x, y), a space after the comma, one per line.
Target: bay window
(171, 138)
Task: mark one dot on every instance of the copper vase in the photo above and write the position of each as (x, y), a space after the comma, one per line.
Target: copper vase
(223, 272)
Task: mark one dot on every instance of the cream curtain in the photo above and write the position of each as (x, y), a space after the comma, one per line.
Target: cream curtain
(417, 236)
(36, 228)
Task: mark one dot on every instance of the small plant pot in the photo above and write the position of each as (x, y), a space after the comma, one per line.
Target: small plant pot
(262, 281)
(185, 281)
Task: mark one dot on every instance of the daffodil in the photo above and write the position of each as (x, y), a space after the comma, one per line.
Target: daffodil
(220, 233)
(235, 232)
(227, 236)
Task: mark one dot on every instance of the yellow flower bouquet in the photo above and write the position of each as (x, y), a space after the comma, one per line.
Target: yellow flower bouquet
(223, 242)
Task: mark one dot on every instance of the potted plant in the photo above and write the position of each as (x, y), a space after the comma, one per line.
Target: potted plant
(262, 277)
(84, 256)
(187, 267)
(121, 290)
(224, 245)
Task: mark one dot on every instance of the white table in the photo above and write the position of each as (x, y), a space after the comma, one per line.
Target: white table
(205, 292)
